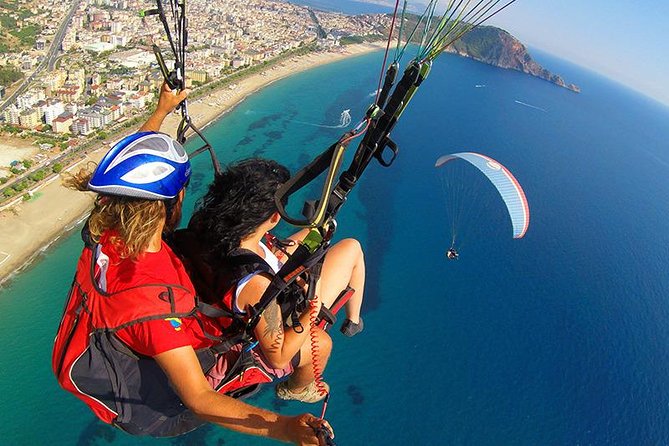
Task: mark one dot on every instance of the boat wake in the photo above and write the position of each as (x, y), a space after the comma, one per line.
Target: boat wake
(344, 121)
(525, 104)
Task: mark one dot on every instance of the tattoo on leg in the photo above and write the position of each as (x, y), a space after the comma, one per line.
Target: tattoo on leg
(274, 329)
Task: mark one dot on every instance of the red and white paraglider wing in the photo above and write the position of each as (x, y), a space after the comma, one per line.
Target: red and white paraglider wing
(506, 184)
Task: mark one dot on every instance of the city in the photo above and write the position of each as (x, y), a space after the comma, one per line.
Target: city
(86, 68)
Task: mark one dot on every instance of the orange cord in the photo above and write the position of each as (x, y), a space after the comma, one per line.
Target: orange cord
(315, 360)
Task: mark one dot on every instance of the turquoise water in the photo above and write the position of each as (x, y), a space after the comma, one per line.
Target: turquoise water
(555, 339)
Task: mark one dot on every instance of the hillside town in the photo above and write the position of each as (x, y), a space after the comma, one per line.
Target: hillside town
(89, 65)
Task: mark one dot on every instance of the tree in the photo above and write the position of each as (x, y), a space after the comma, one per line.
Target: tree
(57, 168)
(37, 176)
(11, 129)
(18, 187)
(27, 164)
(3, 180)
(9, 75)
(9, 192)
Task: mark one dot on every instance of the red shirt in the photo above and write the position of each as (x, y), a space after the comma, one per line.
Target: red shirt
(163, 267)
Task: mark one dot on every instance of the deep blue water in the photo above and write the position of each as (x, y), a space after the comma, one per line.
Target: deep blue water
(556, 339)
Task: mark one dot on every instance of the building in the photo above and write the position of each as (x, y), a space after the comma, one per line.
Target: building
(132, 58)
(69, 41)
(118, 40)
(81, 127)
(30, 118)
(99, 47)
(53, 109)
(238, 62)
(116, 27)
(62, 123)
(140, 99)
(30, 98)
(198, 76)
(69, 93)
(11, 115)
(71, 108)
(55, 79)
(77, 77)
(93, 117)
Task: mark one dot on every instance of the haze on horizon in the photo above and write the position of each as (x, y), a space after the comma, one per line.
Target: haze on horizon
(624, 40)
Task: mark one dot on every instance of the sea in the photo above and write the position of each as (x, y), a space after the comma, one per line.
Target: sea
(558, 338)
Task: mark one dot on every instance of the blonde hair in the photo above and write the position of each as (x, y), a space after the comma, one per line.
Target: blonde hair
(135, 220)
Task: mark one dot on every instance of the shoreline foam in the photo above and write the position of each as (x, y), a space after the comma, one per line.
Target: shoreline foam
(29, 229)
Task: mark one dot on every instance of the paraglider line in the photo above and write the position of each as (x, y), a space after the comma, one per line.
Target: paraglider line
(385, 56)
(356, 132)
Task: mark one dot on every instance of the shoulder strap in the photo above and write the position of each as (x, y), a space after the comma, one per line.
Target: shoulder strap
(245, 262)
(115, 311)
(300, 262)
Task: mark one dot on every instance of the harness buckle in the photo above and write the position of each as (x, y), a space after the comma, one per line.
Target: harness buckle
(374, 112)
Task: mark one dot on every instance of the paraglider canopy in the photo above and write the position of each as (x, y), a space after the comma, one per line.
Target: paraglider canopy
(506, 184)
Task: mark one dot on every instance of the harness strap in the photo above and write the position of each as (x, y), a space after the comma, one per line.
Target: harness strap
(330, 161)
(248, 262)
(226, 345)
(300, 262)
(212, 311)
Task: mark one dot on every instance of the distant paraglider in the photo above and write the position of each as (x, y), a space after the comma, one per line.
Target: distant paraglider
(502, 179)
(452, 254)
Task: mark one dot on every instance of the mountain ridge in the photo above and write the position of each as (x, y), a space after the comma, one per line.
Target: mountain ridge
(497, 47)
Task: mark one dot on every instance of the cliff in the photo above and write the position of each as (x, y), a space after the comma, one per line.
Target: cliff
(497, 47)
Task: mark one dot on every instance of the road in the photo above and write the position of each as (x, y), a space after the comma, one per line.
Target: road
(58, 38)
(50, 59)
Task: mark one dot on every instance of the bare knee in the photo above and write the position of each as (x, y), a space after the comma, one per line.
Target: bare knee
(324, 343)
(352, 247)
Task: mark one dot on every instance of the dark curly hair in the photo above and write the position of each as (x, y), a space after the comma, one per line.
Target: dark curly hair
(238, 201)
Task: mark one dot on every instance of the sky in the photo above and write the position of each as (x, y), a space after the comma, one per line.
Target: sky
(625, 40)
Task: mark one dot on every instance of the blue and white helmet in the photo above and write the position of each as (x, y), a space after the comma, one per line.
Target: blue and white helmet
(147, 165)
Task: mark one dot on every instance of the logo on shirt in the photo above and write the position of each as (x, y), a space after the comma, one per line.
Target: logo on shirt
(175, 322)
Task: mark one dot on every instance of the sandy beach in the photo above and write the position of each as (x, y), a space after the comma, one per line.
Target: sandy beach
(27, 228)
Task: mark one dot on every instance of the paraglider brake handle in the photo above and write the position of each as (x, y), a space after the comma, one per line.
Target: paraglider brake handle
(148, 12)
(171, 76)
(325, 434)
(384, 160)
(374, 112)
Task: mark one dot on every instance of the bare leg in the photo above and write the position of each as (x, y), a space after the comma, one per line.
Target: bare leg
(304, 373)
(344, 265)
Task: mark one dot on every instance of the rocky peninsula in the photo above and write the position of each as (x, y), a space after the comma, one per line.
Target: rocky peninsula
(497, 47)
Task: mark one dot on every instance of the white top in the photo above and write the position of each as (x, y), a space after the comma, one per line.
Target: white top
(273, 263)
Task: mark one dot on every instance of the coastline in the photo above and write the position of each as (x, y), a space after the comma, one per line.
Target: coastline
(28, 228)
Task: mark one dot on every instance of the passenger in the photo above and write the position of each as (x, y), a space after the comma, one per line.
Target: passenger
(130, 344)
(230, 222)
